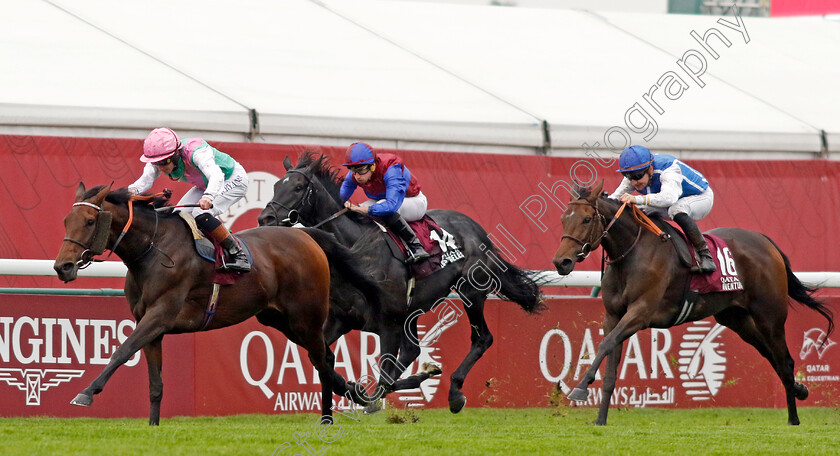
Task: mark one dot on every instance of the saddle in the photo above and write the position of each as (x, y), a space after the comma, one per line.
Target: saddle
(434, 239)
(212, 252)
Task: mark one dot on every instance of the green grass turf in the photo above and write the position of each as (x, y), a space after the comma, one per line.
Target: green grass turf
(566, 431)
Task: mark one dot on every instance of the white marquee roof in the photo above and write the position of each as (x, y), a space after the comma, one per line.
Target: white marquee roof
(411, 75)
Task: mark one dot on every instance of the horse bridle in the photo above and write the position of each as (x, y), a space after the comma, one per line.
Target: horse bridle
(102, 228)
(293, 212)
(586, 247)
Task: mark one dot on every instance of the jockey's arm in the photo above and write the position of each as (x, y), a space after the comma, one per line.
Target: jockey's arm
(669, 191)
(205, 161)
(347, 187)
(144, 183)
(624, 187)
(396, 184)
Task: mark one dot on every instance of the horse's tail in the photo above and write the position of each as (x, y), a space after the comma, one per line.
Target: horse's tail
(347, 265)
(803, 293)
(518, 286)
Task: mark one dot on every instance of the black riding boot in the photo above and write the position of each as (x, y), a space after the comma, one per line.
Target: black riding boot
(706, 263)
(235, 259)
(398, 225)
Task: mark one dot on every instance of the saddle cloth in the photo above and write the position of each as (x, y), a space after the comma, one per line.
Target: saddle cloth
(423, 228)
(211, 251)
(726, 277)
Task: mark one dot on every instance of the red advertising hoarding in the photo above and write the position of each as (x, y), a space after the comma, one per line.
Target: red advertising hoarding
(53, 347)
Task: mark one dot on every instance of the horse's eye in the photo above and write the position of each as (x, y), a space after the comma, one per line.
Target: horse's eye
(298, 188)
(587, 219)
(90, 222)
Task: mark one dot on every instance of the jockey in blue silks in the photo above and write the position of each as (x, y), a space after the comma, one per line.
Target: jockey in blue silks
(394, 194)
(667, 183)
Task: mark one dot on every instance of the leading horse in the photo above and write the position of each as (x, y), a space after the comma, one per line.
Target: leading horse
(310, 191)
(644, 285)
(168, 286)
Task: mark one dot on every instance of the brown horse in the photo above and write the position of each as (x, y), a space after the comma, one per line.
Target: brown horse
(645, 283)
(168, 285)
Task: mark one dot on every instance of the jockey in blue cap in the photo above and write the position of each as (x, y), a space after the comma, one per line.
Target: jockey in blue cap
(667, 183)
(394, 194)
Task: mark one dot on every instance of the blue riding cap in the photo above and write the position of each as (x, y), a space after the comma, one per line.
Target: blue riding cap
(359, 154)
(634, 158)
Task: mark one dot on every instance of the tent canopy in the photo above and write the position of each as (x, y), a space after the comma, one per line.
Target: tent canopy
(421, 75)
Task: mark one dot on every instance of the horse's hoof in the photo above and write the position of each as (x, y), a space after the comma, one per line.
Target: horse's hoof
(800, 391)
(373, 408)
(82, 399)
(327, 419)
(578, 395)
(457, 404)
(358, 394)
(432, 369)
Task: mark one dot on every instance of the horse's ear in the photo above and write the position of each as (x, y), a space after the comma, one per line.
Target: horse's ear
(287, 163)
(100, 197)
(317, 163)
(80, 191)
(596, 192)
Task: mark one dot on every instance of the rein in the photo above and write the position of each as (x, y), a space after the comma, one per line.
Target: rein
(641, 219)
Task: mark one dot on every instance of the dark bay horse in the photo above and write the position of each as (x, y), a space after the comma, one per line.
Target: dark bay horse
(310, 192)
(644, 287)
(168, 285)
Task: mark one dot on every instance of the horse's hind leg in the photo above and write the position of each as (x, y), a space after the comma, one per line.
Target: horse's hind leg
(154, 360)
(768, 337)
(481, 339)
(410, 351)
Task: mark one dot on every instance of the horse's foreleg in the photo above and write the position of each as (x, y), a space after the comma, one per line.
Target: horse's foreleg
(626, 327)
(154, 360)
(318, 356)
(147, 330)
(481, 339)
(610, 375)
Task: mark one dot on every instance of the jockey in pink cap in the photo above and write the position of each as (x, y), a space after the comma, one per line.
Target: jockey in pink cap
(218, 182)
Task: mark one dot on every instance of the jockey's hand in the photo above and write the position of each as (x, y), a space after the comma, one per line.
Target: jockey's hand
(627, 198)
(356, 208)
(205, 202)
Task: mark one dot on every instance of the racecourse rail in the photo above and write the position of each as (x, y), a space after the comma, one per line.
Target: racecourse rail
(44, 268)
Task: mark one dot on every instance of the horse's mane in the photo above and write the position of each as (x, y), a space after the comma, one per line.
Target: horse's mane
(586, 192)
(328, 177)
(121, 196)
(326, 174)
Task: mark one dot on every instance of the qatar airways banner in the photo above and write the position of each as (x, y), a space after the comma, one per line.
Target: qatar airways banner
(53, 347)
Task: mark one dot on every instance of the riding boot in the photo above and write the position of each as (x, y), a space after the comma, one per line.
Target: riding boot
(398, 225)
(706, 263)
(235, 259)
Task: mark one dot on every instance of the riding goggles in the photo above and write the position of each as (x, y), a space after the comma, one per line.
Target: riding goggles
(361, 169)
(635, 175)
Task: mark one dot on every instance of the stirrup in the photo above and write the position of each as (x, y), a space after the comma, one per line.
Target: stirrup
(234, 265)
(416, 258)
